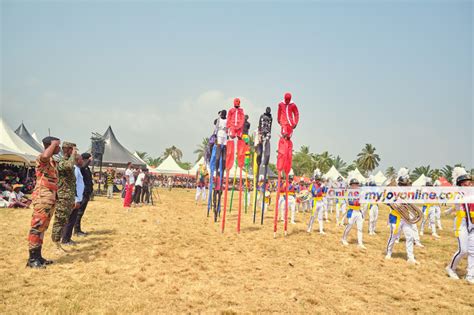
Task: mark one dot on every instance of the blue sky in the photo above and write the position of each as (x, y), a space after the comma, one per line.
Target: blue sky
(397, 75)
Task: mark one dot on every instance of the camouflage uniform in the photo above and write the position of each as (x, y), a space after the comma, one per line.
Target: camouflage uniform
(44, 200)
(66, 194)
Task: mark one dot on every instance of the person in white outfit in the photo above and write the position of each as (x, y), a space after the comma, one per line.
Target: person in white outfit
(354, 215)
(464, 229)
(316, 190)
(201, 177)
(340, 201)
(291, 200)
(429, 214)
(399, 224)
(373, 210)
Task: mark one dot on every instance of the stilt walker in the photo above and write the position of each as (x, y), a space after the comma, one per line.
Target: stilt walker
(265, 132)
(211, 163)
(288, 118)
(256, 169)
(218, 154)
(235, 123)
(246, 138)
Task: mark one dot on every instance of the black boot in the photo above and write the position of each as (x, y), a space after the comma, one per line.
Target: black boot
(78, 231)
(43, 260)
(34, 260)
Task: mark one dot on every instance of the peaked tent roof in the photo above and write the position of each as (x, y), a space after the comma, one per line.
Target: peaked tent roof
(35, 136)
(169, 166)
(421, 181)
(195, 168)
(380, 178)
(332, 174)
(116, 154)
(141, 160)
(13, 142)
(26, 136)
(359, 176)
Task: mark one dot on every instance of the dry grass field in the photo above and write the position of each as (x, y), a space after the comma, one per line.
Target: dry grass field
(171, 258)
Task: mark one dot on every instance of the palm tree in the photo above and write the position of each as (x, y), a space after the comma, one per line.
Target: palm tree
(175, 153)
(302, 162)
(436, 174)
(391, 172)
(185, 165)
(367, 159)
(323, 161)
(418, 171)
(201, 148)
(143, 155)
(447, 172)
(304, 149)
(154, 162)
(339, 164)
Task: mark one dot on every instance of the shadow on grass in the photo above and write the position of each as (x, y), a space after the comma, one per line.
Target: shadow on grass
(102, 232)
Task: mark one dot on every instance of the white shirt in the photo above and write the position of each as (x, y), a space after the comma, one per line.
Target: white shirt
(12, 196)
(131, 178)
(79, 184)
(140, 179)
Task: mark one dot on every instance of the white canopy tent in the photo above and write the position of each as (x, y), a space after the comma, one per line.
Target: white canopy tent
(421, 181)
(9, 155)
(357, 174)
(195, 168)
(141, 160)
(169, 167)
(13, 143)
(380, 178)
(332, 174)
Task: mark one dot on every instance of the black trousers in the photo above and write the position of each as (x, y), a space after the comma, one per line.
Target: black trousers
(67, 230)
(145, 194)
(137, 194)
(80, 213)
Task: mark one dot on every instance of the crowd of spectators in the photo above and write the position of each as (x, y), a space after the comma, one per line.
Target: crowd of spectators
(15, 182)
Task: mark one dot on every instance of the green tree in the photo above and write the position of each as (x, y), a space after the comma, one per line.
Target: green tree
(143, 155)
(303, 163)
(185, 165)
(175, 153)
(154, 162)
(436, 174)
(391, 172)
(323, 161)
(367, 159)
(201, 148)
(447, 172)
(418, 171)
(339, 164)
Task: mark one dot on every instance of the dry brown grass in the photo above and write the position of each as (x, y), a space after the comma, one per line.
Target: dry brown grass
(172, 259)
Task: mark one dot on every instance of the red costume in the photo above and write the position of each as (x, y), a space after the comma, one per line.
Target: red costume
(288, 116)
(235, 120)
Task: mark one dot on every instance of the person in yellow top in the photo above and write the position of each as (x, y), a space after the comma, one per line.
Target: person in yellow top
(464, 229)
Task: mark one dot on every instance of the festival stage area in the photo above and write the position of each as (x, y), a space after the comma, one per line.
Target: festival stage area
(171, 258)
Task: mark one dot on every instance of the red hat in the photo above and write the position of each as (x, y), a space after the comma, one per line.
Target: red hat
(236, 102)
(287, 98)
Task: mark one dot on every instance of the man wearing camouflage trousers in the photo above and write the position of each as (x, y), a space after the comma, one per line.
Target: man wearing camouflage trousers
(44, 201)
(66, 191)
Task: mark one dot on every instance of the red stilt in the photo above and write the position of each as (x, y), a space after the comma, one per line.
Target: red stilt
(275, 221)
(286, 204)
(240, 202)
